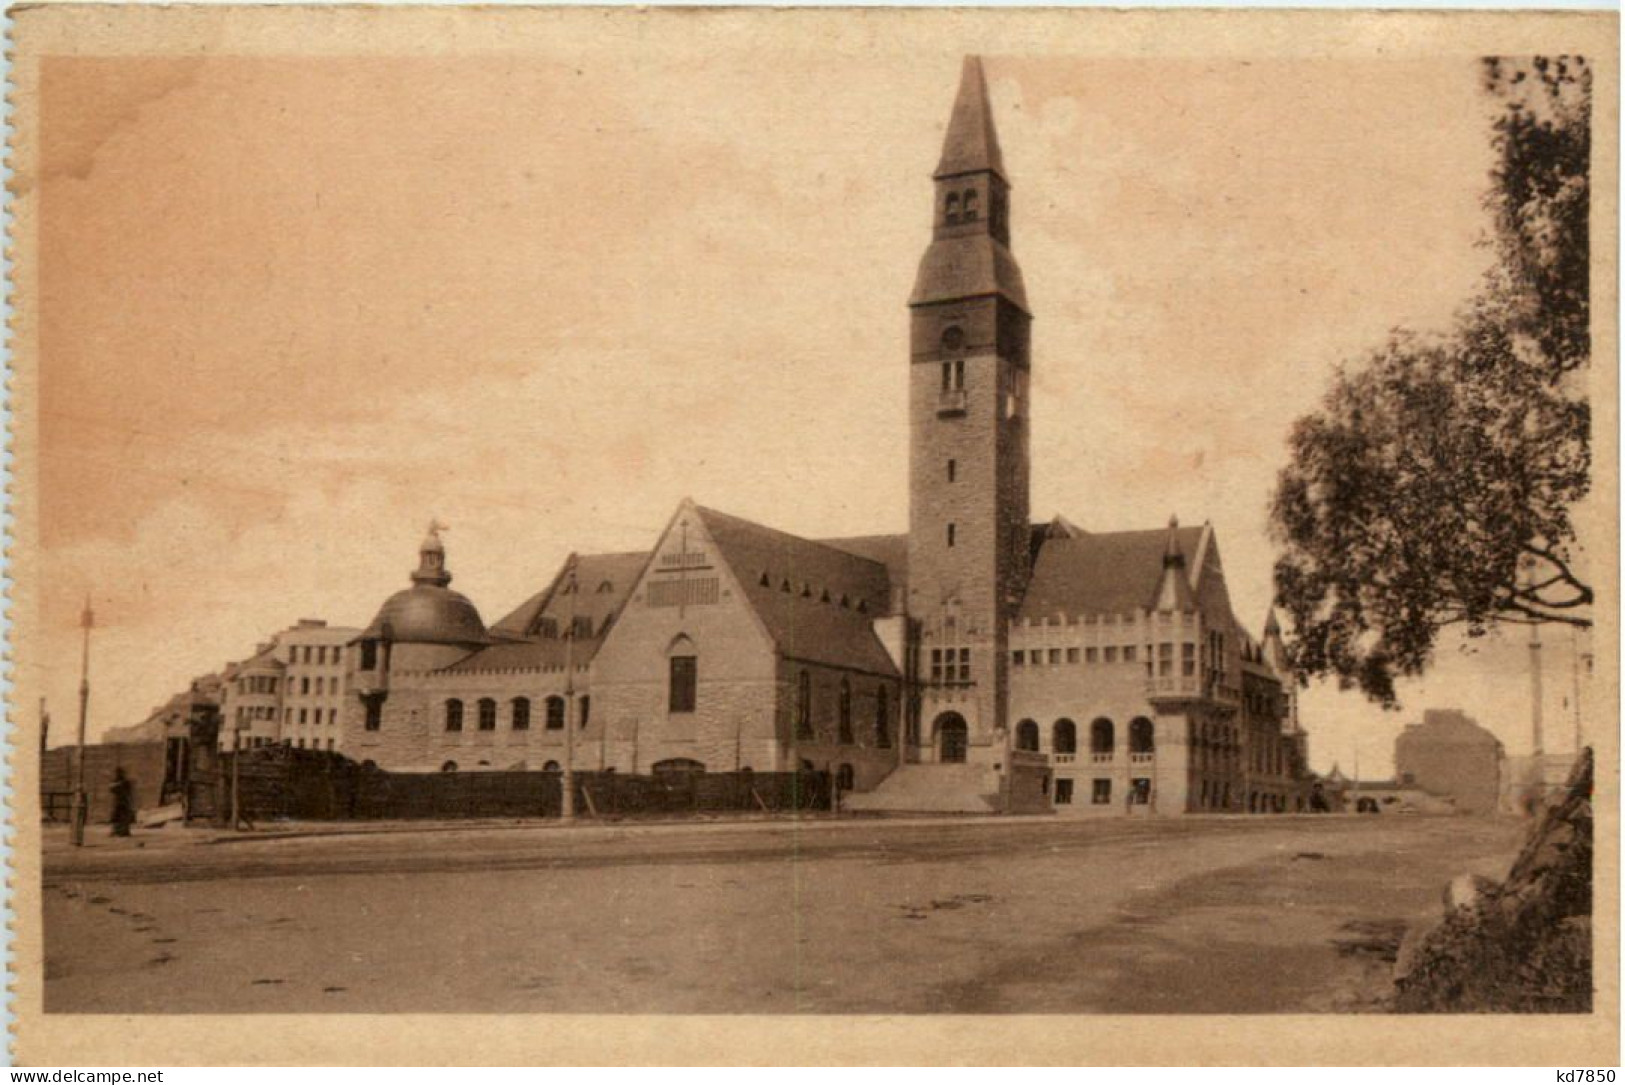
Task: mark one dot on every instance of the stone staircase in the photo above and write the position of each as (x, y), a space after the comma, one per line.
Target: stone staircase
(930, 789)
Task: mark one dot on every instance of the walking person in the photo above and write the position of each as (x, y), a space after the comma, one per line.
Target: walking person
(123, 803)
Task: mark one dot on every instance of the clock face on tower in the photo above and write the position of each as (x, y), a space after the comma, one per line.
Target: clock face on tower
(953, 339)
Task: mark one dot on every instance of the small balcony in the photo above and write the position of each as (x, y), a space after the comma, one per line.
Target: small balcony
(951, 402)
(1173, 686)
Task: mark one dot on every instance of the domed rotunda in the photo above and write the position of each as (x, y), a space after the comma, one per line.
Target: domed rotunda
(429, 612)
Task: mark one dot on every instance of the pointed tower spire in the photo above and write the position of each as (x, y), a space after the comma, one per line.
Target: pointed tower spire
(1172, 554)
(1174, 587)
(1272, 627)
(972, 144)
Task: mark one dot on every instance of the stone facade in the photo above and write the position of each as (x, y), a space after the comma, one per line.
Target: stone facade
(1103, 673)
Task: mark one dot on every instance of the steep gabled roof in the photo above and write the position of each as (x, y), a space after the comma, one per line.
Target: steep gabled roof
(1108, 573)
(531, 636)
(889, 550)
(524, 655)
(593, 572)
(796, 586)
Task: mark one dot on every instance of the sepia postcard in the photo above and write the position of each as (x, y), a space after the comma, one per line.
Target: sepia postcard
(822, 536)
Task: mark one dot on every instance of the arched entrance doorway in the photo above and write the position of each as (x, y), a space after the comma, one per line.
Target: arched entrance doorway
(953, 738)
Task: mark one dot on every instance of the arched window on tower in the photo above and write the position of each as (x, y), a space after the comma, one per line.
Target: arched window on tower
(454, 715)
(950, 210)
(970, 214)
(1027, 735)
(1064, 737)
(521, 713)
(488, 714)
(555, 713)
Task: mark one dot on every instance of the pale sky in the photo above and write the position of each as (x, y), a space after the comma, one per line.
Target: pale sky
(294, 308)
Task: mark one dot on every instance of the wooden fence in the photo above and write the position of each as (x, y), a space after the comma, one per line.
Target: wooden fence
(309, 785)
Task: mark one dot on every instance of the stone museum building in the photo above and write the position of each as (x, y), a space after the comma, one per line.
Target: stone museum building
(925, 670)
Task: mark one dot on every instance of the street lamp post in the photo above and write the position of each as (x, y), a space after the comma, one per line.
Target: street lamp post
(567, 807)
(81, 798)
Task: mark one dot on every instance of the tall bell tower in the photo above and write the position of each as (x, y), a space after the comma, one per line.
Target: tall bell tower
(969, 534)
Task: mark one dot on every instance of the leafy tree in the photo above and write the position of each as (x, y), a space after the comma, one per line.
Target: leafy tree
(1434, 487)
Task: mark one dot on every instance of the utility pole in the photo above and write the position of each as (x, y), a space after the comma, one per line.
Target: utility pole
(1579, 719)
(81, 798)
(567, 807)
(236, 779)
(1535, 694)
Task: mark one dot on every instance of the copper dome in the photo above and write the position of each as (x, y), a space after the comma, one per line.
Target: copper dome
(428, 614)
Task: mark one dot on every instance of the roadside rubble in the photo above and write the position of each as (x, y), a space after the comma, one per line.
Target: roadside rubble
(1520, 946)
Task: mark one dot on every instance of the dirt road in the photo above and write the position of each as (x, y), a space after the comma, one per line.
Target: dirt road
(1202, 915)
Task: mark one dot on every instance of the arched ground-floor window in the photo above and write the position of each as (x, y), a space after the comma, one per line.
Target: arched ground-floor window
(952, 738)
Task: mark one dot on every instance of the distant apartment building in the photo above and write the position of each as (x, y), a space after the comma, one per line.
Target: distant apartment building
(1449, 755)
(290, 691)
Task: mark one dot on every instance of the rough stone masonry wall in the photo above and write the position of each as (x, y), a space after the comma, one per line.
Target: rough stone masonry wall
(1523, 946)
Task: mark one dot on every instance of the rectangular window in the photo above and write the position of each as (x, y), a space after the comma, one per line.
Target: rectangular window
(369, 655)
(302, 716)
(804, 727)
(1091, 655)
(1102, 793)
(521, 714)
(555, 713)
(1111, 655)
(1018, 657)
(1054, 656)
(1071, 655)
(1063, 792)
(691, 591)
(936, 664)
(1128, 653)
(953, 469)
(684, 679)
(959, 375)
(1139, 791)
(488, 715)
(950, 534)
(964, 664)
